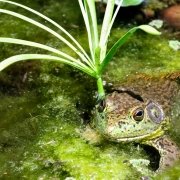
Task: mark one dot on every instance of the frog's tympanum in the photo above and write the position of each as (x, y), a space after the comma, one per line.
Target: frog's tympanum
(140, 112)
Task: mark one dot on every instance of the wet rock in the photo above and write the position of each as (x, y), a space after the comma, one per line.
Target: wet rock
(174, 44)
(171, 16)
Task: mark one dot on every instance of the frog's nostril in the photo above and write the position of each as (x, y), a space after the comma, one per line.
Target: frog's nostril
(119, 123)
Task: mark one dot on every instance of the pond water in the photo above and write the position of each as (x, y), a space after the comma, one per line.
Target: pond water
(45, 106)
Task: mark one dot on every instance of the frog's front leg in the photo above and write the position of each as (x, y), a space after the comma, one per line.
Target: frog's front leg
(168, 150)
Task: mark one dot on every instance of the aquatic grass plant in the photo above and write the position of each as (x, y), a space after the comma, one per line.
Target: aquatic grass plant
(92, 63)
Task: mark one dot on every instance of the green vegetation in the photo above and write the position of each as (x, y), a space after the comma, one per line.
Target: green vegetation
(38, 121)
(93, 64)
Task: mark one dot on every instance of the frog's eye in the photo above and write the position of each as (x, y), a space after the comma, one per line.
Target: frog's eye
(101, 105)
(155, 112)
(138, 114)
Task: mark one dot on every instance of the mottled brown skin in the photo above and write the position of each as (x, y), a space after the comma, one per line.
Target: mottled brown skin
(116, 121)
(168, 150)
(162, 91)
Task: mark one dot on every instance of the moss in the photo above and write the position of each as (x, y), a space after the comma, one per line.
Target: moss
(56, 149)
(171, 173)
(42, 139)
(142, 54)
(60, 145)
(17, 130)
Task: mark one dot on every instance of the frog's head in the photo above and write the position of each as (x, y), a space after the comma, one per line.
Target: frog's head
(126, 117)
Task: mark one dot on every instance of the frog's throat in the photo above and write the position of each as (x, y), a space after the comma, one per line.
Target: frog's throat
(143, 138)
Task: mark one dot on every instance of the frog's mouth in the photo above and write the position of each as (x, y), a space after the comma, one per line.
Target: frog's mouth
(155, 134)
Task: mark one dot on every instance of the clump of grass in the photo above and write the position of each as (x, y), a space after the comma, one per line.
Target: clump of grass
(92, 63)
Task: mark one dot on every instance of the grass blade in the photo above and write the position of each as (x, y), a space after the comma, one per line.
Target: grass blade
(22, 57)
(131, 2)
(49, 20)
(112, 21)
(106, 21)
(46, 29)
(37, 45)
(122, 40)
(41, 46)
(105, 26)
(91, 13)
(149, 29)
(87, 24)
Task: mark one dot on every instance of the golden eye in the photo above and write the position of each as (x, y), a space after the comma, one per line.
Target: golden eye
(138, 114)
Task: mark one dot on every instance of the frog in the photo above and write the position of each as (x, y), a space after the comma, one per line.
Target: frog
(140, 111)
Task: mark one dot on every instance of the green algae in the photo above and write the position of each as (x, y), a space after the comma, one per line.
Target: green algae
(17, 130)
(142, 54)
(171, 173)
(42, 123)
(57, 149)
(60, 150)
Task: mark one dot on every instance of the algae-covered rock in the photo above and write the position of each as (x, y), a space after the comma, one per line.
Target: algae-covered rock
(42, 120)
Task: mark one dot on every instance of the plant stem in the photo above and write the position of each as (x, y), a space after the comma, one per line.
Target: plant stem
(101, 93)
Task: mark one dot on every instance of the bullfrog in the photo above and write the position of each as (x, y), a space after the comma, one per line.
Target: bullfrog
(140, 111)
